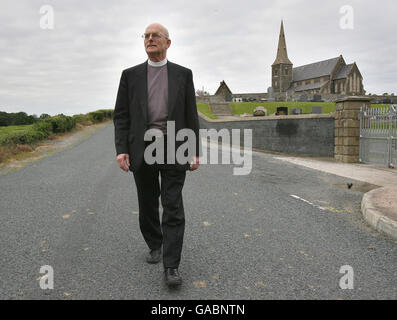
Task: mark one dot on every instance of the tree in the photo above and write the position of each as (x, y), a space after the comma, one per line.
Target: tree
(44, 116)
(3, 119)
(202, 93)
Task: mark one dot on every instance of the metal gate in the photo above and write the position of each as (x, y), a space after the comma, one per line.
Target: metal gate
(378, 135)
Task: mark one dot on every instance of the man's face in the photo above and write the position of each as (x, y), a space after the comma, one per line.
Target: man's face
(156, 42)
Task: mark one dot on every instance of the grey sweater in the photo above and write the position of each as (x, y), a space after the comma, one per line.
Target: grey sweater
(157, 83)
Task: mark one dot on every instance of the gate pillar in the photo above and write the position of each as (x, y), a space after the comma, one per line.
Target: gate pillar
(347, 128)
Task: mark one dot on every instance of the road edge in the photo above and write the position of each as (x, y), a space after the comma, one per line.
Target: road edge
(375, 217)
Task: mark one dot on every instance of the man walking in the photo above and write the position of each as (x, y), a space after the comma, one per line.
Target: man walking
(152, 95)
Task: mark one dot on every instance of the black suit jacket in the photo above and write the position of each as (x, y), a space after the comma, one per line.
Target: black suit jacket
(130, 113)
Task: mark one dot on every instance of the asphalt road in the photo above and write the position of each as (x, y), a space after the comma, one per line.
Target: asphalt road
(282, 232)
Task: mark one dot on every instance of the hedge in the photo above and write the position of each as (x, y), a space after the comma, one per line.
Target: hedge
(27, 136)
(45, 127)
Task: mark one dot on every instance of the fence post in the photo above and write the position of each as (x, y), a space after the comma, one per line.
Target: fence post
(347, 128)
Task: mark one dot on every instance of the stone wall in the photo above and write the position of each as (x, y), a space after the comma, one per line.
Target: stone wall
(295, 96)
(311, 135)
(383, 99)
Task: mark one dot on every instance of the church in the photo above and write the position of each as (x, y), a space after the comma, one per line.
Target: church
(324, 80)
(328, 77)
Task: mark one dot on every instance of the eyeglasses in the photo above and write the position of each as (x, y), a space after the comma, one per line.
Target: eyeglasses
(154, 35)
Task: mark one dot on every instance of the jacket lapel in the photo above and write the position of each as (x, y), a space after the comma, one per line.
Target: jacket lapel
(173, 86)
(143, 90)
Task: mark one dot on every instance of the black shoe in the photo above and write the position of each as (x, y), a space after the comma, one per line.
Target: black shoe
(154, 256)
(172, 277)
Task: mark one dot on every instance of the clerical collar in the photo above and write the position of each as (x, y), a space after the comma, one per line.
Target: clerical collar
(157, 64)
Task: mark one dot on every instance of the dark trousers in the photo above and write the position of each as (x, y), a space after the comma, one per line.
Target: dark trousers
(171, 230)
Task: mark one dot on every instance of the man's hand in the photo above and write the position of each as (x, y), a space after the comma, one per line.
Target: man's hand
(122, 159)
(195, 164)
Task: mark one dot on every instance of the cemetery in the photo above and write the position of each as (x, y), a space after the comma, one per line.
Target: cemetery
(319, 130)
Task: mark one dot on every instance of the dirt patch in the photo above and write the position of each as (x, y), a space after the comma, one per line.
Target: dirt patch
(354, 186)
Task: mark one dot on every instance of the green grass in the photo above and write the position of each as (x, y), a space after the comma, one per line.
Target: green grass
(271, 107)
(204, 108)
(249, 107)
(13, 128)
(5, 131)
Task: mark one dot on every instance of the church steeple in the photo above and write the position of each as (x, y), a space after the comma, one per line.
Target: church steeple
(282, 66)
(282, 56)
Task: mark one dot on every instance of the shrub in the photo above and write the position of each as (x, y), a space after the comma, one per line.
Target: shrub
(43, 126)
(61, 123)
(81, 118)
(100, 115)
(96, 116)
(27, 136)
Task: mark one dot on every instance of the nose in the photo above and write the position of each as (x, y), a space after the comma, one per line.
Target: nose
(150, 36)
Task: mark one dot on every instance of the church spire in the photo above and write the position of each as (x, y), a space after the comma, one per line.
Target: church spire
(282, 56)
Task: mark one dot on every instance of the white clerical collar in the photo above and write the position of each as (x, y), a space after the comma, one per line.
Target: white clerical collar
(157, 64)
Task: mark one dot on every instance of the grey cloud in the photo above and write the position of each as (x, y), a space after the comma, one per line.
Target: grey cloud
(76, 67)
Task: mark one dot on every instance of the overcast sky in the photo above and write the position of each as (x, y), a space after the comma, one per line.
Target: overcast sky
(76, 66)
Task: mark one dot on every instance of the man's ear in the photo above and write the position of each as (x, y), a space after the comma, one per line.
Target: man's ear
(168, 43)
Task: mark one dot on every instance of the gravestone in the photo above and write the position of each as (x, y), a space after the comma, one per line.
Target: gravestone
(303, 97)
(317, 98)
(260, 111)
(282, 111)
(270, 94)
(317, 109)
(386, 101)
(296, 111)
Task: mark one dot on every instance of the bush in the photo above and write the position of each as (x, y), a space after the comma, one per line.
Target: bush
(100, 115)
(96, 116)
(43, 126)
(27, 136)
(81, 118)
(61, 123)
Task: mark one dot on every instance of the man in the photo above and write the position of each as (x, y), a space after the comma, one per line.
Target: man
(149, 95)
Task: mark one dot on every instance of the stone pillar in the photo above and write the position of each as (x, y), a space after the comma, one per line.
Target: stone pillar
(347, 128)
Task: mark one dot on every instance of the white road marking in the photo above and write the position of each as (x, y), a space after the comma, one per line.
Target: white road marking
(314, 205)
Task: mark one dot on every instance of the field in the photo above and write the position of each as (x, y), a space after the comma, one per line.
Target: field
(17, 140)
(271, 107)
(249, 107)
(205, 109)
(6, 130)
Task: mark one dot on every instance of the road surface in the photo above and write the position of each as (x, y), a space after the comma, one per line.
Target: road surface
(281, 232)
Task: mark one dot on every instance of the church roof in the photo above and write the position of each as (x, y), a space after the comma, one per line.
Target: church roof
(343, 72)
(314, 70)
(223, 85)
(310, 86)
